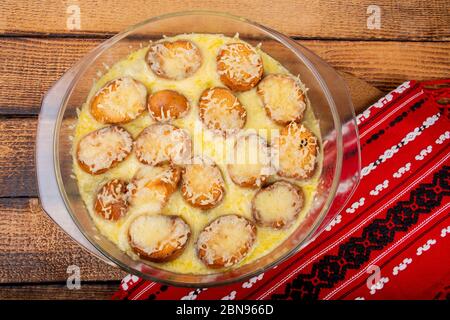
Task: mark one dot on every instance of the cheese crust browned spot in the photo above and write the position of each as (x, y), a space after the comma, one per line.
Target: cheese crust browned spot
(158, 238)
(277, 205)
(251, 162)
(111, 201)
(283, 98)
(221, 111)
(297, 149)
(226, 241)
(167, 105)
(103, 149)
(202, 184)
(154, 184)
(174, 60)
(163, 143)
(239, 65)
(119, 101)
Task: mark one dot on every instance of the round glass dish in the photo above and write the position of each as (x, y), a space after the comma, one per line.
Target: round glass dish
(331, 105)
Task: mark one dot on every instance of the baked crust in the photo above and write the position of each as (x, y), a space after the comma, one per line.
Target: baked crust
(297, 148)
(225, 241)
(277, 205)
(103, 149)
(239, 65)
(202, 184)
(282, 97)
(167, 105)
(252, 163)
(174, 60)
(163, 143)
(119, 101)
(158, 238)
(221, 111)
(111, 201)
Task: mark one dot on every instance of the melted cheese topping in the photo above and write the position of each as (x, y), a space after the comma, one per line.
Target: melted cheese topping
(174, 60)
(154, 233)
(279, 202)
(297, 149)
(112, 194)
(252, 160)
(163, 142)
(202, 182)
(221, 110)
(241, 62)
(152, 185)
(236, 200)
(121, 100)
(227, 238)
(283, 97)
(100, 149)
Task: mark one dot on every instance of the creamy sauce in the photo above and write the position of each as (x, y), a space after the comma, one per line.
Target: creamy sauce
(237, 200)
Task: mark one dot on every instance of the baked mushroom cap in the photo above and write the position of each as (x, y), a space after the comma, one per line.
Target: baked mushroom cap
(202, 184)
(163, 143)
(252, 163)
(158, 238)
(239, 65)
(221, 111)
(119, 101)
(297, 149)
(277, 205)
(282, 97)
(225, 241)
(174, 60)
(103, 149)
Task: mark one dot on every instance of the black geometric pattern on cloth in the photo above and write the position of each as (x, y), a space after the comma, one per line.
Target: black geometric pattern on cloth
(356, 251)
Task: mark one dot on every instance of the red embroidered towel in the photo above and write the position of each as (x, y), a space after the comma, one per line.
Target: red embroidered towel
(393, 239)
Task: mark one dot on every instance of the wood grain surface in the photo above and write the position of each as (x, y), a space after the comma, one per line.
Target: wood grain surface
(33, 249)
(410, 20)
(37, 47)
(30, 66)
(59, 291)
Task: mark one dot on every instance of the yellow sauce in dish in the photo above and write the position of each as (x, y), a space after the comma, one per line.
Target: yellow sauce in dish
(237, 200)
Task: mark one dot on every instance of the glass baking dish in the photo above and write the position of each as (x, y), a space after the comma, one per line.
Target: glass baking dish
(329, 96)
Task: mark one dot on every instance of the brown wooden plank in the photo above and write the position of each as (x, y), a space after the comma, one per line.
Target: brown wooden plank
(30, 66)
(17, 174)
(413, 20)
(34, 249)
(87, 291)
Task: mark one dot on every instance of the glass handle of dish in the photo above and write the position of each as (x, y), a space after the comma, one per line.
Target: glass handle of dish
(50, 198)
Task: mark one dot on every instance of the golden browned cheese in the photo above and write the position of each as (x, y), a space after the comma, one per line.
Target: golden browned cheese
(103, 149)
(251, 163)
(154, 184)
(163, 143)
(158, 238)
(111, 201)
(226, 241)
(297, 148)
(282, 97)
(202, 184)
(221, 111)
(174, 60)
(240, 67)
(277, 205)
(119, 101)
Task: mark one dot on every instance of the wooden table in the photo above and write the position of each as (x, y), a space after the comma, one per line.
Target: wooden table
(39, 40)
